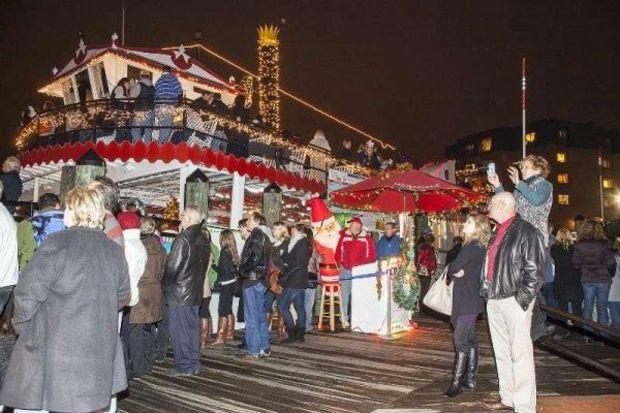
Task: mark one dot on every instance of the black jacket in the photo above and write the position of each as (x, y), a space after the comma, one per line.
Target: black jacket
(255, 257)
(226, 269)
(186, 267)
(453, 253)
(279, 255)
(12, 188)
(466, 298)
(567, 281)
(519, 264)
(297, 259)
(595, 261)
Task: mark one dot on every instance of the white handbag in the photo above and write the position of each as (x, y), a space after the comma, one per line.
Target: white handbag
(439, 295)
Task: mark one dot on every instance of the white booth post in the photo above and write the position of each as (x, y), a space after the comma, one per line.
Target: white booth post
(236, 200)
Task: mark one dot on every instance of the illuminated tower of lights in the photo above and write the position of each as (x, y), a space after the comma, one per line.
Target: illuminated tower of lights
(269, 75)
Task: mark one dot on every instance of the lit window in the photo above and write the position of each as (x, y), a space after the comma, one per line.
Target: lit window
(562, 134)
(530, 137)
(562, 178)
(563, 199)
(608, 183)
(486, 144)
(606, 163)
(470, 147)
(561, 157)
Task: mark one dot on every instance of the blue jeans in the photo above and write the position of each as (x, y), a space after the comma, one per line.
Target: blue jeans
(600, 291)
(309, 296)
(256, 327)
(184, 325)
(614, 310)
(296, 297)
(165, 119)
(345, 293)
(269, 299)
(141, 120)
(549, 295)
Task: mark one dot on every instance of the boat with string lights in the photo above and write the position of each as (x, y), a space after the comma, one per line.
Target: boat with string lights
(157, 149)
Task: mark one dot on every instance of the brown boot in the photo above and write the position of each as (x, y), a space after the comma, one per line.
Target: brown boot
(209, 330)
(204, 332)
(222, 325)
(230, 331)
(281, 327)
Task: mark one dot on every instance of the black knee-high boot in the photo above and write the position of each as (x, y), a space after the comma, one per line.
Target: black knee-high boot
(456, 387)
(472, 368)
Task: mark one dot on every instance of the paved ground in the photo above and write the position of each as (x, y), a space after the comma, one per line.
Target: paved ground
(350, 372)
(355, 373)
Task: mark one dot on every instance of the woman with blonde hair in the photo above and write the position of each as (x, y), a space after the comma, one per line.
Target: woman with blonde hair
(567, 282)
(227, 274)
(68, 356)
(467, 303)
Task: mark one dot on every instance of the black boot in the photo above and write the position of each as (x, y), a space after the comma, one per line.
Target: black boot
(460, 361)
(292, 336)
(301, 332)
(469, 381)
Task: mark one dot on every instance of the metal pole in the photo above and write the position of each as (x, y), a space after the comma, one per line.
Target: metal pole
(600, 179)
(123, 28)
(523, 95)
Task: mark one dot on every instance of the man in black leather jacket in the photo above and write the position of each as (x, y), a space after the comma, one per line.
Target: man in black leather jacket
(511, 279)
(183, 283)
(253, 270)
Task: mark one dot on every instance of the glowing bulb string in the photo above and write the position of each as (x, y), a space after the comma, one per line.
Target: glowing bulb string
(288, 94)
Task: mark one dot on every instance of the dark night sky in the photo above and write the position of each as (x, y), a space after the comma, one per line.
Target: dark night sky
(419, 74)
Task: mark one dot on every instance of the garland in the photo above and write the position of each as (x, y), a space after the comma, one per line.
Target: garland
(406, 289)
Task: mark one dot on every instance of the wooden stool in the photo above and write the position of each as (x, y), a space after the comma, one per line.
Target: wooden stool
(330, 298)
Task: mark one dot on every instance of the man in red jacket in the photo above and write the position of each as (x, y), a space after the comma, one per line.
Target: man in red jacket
(355, 247)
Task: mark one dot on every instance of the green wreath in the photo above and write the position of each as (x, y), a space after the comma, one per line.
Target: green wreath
(406, 290)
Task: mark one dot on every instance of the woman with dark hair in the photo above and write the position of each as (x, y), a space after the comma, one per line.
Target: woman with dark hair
(295, 282)
(467, 303)
(594, 260)
(227, 273)
(120, 93)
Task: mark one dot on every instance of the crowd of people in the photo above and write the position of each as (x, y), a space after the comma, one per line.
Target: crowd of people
(87, 261)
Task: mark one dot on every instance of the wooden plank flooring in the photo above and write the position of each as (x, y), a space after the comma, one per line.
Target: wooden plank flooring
(345, 372)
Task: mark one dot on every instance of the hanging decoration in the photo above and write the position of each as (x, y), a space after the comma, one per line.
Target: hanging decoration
(170, 215)
(269, 75)
(406, 288)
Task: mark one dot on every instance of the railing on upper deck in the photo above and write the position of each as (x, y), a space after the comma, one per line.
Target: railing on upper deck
(176, 122)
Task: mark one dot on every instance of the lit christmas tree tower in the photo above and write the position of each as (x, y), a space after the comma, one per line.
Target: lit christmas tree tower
(269, 75)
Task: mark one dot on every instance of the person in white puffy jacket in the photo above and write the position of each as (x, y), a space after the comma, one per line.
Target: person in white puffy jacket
(136, 256)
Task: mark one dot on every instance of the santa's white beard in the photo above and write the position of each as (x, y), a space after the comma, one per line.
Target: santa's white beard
(327, 233)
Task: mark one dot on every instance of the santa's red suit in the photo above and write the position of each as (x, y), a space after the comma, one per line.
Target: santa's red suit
(326, 235)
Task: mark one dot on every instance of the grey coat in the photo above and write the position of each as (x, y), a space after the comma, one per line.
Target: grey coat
(68, 356)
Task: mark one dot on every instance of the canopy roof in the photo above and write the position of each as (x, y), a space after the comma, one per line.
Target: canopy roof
(178, 60)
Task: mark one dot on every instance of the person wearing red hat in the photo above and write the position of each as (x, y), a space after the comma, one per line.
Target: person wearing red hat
(355, 247)
(135, 254)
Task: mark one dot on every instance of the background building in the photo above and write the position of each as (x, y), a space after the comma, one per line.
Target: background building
(584, 160)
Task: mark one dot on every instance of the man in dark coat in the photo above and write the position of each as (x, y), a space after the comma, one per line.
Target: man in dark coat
(511, 279)
(186, 268)
(68, 356)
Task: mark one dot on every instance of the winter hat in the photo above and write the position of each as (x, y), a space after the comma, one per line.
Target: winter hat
(355, 220)
(319, 211)
(128, 220)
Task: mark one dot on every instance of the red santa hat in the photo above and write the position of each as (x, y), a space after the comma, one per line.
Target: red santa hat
(319, 211)
(128, 220)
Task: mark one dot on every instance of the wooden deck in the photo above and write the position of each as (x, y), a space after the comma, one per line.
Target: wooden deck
(349, 372)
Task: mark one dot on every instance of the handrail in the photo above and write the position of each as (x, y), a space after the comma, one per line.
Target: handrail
(33, 128)
(614, 335)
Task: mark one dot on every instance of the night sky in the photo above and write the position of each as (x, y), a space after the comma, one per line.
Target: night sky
(418, 74)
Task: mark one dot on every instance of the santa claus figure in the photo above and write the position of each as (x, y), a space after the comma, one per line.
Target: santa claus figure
(326, 235)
